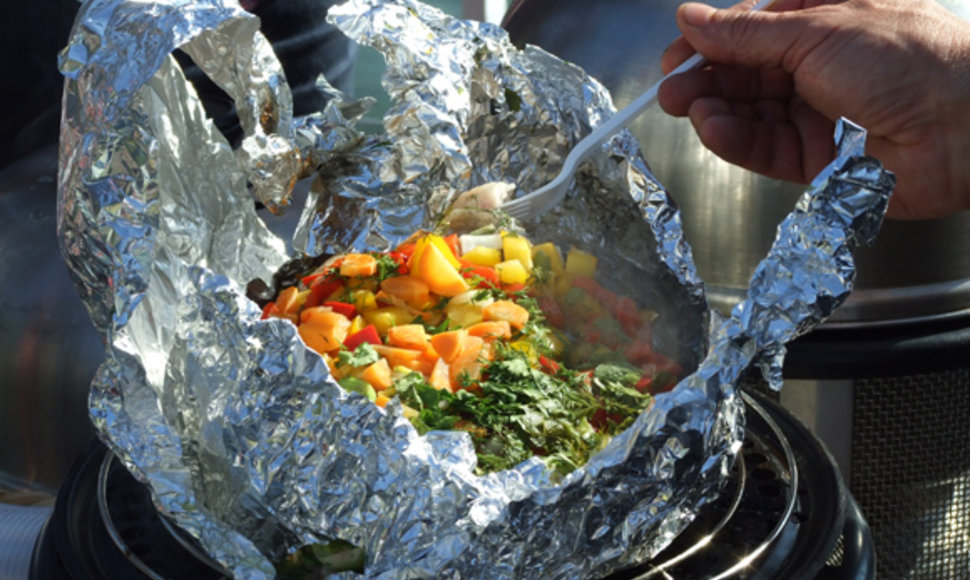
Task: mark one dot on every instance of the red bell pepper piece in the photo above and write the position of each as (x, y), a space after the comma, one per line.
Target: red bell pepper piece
(269, 310)
(628, 315)
(367, 334)
(645, 384)
(600, 419)
(548, 365)
(470, 270)
(552, 311)
(406, 249)
(402, 261)
(309, 280)
(452, 242)
(639, 352)
(321, 289)
(601, 294)
(348, 310)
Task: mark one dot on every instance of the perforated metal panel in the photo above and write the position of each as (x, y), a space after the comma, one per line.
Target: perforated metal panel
(911, 472)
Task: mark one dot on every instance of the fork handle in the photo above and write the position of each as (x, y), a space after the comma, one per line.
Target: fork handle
(623, 117)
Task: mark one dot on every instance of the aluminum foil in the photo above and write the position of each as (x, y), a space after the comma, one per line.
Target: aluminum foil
(245, 440)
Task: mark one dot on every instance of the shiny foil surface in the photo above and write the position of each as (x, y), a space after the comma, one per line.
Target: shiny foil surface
(243, 436)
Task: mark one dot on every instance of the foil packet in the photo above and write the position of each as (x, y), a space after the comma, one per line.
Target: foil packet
(242, 435)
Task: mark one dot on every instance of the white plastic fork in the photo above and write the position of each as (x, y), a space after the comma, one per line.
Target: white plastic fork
(540, 201)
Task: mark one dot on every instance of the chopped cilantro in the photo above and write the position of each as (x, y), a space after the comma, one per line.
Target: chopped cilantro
(387, 266)
(361, 356)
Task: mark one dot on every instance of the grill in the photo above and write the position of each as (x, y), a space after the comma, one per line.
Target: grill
(898, 398)
(104, 526)
(920, 513)
(784, 513)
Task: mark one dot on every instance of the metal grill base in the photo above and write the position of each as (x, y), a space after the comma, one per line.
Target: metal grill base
(911, 472)
(906, 461)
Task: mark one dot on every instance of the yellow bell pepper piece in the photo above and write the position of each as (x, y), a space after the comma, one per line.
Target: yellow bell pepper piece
(580, 263)
(483, 256)
(512, 272)
(547, 255)
(518, 248)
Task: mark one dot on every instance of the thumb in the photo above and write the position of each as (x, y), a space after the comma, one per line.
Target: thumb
(740, 36)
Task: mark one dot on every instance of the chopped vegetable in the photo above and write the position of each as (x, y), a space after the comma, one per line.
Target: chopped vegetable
(358, 266)
(528, 353)
(367, 334)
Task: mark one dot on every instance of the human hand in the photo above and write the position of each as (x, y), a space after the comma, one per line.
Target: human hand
(778, 81)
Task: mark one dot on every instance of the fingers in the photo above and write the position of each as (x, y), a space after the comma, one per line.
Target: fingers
(739, 36)
(724, 82)
(789, 142)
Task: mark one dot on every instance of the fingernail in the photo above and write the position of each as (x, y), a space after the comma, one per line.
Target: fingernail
(696, 15)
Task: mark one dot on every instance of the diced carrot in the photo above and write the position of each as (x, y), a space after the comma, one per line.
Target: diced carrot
(382, 400)
(378, 374)
(490, 330)
(367, 334)
(397, 356)
(342, 308)
(358, 265)
(439, 377)
(422, 365)
(290, 300)
(322, 329)
(411, 290)
(408, 336)
(467, 367)
(506, 310)
(449, 344)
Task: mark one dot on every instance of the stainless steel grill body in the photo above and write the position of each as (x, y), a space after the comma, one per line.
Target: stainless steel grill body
(911, 472)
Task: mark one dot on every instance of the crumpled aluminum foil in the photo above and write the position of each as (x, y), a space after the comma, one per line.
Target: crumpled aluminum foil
(245, 440)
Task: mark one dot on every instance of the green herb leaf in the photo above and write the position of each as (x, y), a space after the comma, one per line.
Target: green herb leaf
(361, 356)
